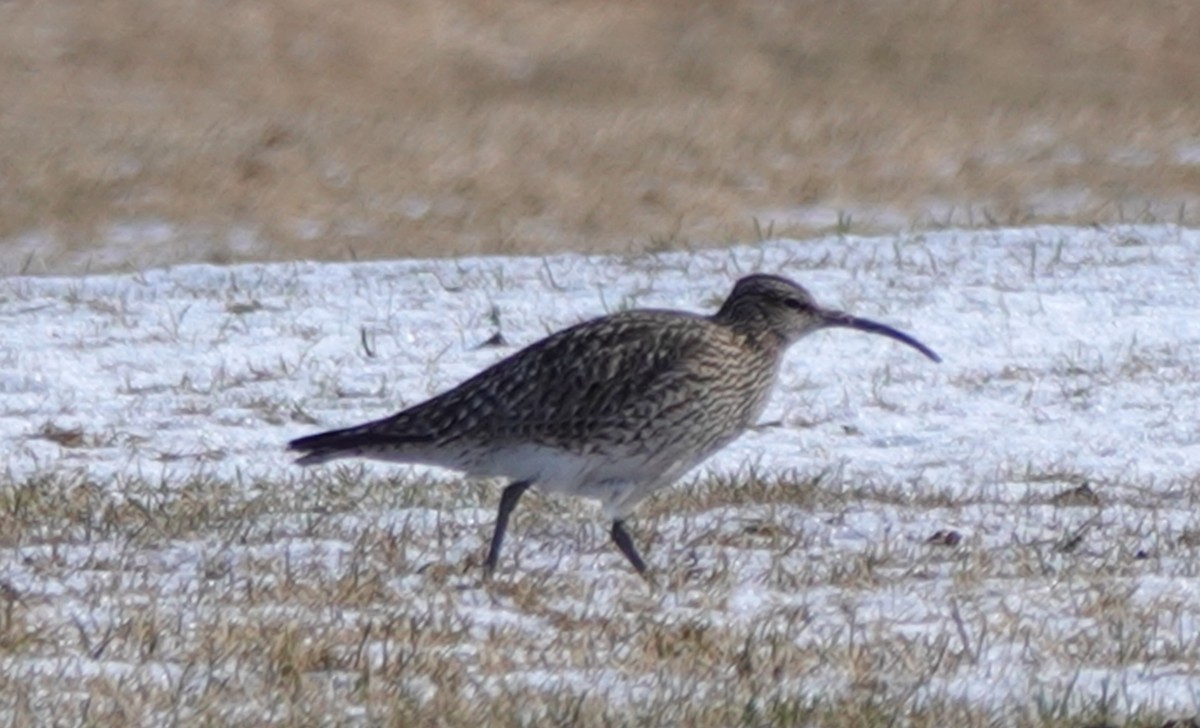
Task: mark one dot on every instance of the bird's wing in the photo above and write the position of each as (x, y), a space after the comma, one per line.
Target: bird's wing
(620, 370)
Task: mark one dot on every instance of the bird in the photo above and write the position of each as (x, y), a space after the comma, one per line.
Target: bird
(611, 409)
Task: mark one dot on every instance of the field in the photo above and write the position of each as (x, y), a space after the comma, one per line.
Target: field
(143, 132)
(225, 224)
(1008, 538)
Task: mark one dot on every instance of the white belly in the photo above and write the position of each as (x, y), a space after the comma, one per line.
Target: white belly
(617, 483)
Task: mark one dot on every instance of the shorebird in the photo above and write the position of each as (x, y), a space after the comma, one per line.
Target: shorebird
(612, 409)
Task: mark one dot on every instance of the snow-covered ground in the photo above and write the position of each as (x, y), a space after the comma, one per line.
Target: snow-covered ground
(1057, 448)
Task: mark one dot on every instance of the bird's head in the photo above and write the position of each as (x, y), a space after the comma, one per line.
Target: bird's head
(767, 304)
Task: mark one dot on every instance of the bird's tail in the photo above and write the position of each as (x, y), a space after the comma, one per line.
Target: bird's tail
(370, 439)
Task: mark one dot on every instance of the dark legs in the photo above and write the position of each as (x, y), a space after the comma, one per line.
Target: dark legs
(508, 501)
(620, 536)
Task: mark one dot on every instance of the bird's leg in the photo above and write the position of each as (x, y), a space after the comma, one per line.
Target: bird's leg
(620, 536)
(508, 501)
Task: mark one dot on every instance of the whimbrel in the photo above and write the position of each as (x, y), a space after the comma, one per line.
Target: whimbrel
(611, 409)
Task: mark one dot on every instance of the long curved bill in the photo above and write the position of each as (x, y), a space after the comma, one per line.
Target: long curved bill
(839, 319)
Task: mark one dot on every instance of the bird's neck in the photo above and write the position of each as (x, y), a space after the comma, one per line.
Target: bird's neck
(764, 340)
(767, 348)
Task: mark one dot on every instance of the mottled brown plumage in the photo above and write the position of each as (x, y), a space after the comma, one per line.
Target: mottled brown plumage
(611, 409)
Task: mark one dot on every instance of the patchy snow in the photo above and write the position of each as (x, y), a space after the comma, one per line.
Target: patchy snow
(135, 245)
(1078, 345)
(1070, 354)
(1188, 153)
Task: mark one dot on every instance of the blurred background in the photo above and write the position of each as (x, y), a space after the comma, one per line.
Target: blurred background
(146, 132)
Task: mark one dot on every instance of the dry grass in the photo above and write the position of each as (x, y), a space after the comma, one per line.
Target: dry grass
(346, 601)
(288, 128)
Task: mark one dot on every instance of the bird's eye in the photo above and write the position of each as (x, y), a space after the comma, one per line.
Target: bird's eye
(795, 304)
